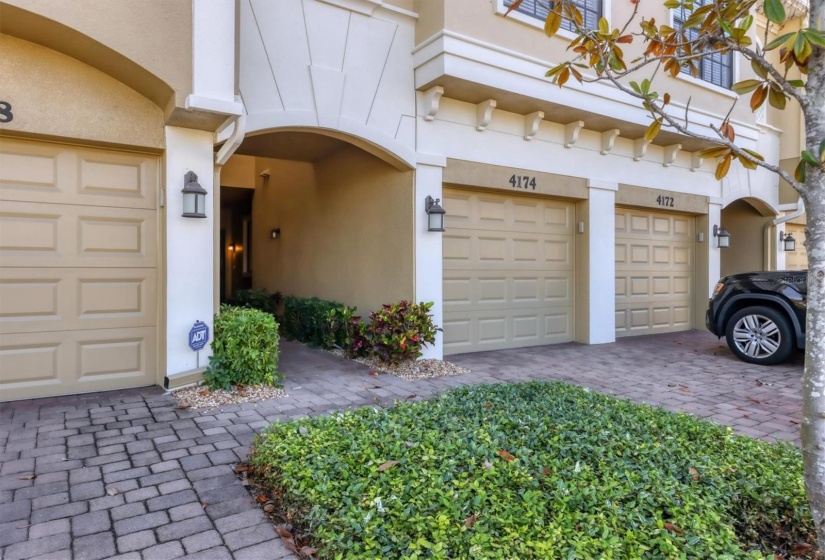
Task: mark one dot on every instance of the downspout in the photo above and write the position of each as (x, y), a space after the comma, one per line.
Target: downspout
(224, 153)
(800, 209)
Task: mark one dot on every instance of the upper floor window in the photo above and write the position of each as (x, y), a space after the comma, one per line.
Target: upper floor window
(591, 11)
(716, 68)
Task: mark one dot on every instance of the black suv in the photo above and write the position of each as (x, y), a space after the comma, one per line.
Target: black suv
(761, 314)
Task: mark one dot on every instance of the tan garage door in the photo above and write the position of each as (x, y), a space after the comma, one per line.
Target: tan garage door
(78, 282)
(654, 271)
(797, 260)
(508, 271)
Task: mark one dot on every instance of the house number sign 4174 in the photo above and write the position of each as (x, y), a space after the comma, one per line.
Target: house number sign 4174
(523, 182)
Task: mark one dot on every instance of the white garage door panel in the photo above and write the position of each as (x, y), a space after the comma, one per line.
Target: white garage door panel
(654, 270)
(508, 272)
(52, 299)
(57, 174)
(78, 283)
(56, 363)
(798, 259)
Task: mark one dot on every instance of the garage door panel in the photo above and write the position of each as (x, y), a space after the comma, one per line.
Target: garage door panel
(473, 331)
(53, 363)
(51, 235)
(508, 272)
(653, 272)
(62, 174)
(34, 299)
(78, 285)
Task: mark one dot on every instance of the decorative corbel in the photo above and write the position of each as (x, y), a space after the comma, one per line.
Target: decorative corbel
(670, 154)
(484, 112)
(609, 140)
(571, 133)
(432, 99)
(640, 148)
(695, 161)
(531, 124)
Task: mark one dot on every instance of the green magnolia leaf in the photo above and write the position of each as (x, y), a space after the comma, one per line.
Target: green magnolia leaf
(780, 41)
(753, 154)
(635, 86)
(759, 70)
(796, 83)
(746, 86)
(775, 11)
(777, 99)
(802, 49)
(822, 150)
(815, 36)
(810, 158)
(653, 130)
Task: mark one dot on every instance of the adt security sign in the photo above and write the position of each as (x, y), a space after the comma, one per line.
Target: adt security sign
(198, 336)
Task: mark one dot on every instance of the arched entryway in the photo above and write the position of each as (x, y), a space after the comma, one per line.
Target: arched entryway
(746, 220)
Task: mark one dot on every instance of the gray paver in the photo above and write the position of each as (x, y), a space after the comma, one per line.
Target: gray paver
(94, 547)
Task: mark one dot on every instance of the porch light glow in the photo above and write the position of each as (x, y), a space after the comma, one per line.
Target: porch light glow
(194, 197)
(787, 242)
(435, 214)
(722, 237)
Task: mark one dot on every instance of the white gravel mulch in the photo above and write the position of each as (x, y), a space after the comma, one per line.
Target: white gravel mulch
(199, 396)
(412, 370)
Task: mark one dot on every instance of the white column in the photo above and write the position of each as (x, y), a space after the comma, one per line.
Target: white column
(602, 261)
(715, 253)
(428, 265)
(189, 248)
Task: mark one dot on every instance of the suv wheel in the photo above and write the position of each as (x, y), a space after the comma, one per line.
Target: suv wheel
(760, 335)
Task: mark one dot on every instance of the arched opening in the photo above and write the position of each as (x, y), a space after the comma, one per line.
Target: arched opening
(745, 219)
(309, 214)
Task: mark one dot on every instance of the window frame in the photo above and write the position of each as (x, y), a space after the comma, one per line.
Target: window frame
(699, 80)
(501, 9)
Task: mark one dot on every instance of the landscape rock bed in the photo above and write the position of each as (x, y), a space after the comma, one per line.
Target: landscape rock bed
(411, 370)
(199, 396)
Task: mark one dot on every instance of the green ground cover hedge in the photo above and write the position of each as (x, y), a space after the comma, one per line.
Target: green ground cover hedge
(534, 470)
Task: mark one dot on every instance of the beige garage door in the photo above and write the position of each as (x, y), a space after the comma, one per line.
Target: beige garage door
(78, 282)
(797, 260)
(654, 271)
(508, 271)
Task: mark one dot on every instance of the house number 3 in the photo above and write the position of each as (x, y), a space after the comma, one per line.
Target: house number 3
(5, 112)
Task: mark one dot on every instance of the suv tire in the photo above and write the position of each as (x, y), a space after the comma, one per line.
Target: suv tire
(760, 335)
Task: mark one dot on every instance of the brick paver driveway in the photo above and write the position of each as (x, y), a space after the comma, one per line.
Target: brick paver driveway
(125, 474)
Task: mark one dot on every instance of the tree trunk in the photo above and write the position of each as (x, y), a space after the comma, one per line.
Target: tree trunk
(813, 380)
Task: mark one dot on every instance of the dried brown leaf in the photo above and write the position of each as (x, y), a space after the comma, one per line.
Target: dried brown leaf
(241, 467)
(673, 528)
(387, 465)
(269, 508)
(470, 521)
(111, 491)
(801, 549)
(284, 531)
(506, 455)
(694, 474)
(27, 477)
(308, 550)
(262, 498)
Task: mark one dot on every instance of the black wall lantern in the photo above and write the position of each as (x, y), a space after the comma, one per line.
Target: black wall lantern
(435, 214)
(787, 242)
(722, 237)
(194, 197)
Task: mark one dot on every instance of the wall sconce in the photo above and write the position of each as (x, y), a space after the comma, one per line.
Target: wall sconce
(722, 237)
(275, 233)
(435, 214)
(787, 242)
(194, 197)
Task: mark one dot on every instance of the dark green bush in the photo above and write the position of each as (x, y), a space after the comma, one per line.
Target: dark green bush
(397, 332)
(256, 298)
(534, 470)
(244, 349)
(316, 321)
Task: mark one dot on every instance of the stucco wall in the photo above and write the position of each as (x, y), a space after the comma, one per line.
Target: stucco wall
(53, 95)
(155, 34)
(747, 243)
(346, 229)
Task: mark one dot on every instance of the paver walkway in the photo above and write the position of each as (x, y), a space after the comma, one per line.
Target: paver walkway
(125, 474)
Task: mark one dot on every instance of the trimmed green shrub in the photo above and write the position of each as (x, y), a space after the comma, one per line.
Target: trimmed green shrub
(244, 349)
(257, 298)
(397, 332)
(315, 321)
(346, 330)
(535, 470)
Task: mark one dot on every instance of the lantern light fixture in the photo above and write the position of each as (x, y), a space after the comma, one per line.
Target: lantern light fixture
(194, 197)
(787, 242)
(435, 214)
(722, 237)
